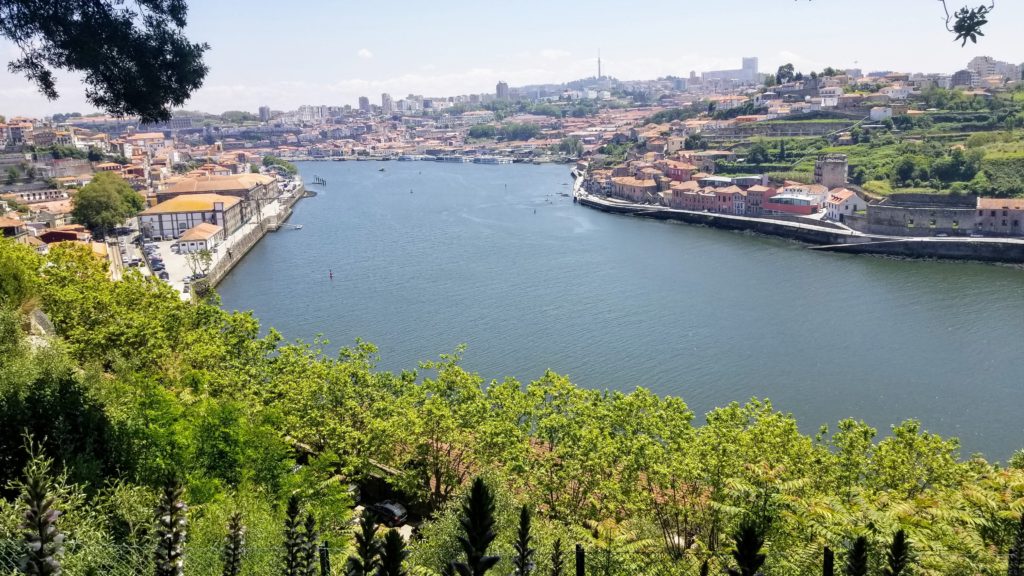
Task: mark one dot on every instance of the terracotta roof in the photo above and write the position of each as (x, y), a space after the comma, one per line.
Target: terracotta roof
(211, 183)
(1001, 203)
(10, 222)
(840, 195)
(203, 231)
(192, 203)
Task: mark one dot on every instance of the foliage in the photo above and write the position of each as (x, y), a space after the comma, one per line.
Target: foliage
(309, 557)
(368, 550)
(749, 539)
(671, 115)
(897, 557)
(523, 558)
(43, 541)
(571, 146)
(294, 541)
(170, 533)
(234, 546)
(857, 558)
(557, 559)
(105, 202)
(483, 131)
(270, 160)
(135, 61)
(517, 131)
(478, 531)
(1015, 563)
(392, 555)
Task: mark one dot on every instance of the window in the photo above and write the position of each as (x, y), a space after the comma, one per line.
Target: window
(993, 213)
(981, 212)
(1004, 213)
(1004, 222)
(931, 223)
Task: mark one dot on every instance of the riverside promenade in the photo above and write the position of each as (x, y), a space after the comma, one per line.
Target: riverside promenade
(823, 236)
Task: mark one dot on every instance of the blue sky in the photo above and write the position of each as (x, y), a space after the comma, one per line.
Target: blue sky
(284, 54)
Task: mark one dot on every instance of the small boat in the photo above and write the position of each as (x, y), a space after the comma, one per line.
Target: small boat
(381, 170)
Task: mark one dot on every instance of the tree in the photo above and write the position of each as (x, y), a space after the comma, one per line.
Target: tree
(105, 202)
(897, 558)
(749, 538)
(170, 531)
(43, 541)
(234, 546)
(294, 540)
(1015, 564)
(523, 559)
(477, 524)
(368, 550)
(857, 558)
(967, 22)
(758, 154)
(784, 74)
(557, 558)
(135, 61)
(392, 555)
(12, 175)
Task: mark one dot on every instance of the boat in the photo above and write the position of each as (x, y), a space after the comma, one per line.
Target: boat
(381, 170)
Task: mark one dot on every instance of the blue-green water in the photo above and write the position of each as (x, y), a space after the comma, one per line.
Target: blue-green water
(426, 256)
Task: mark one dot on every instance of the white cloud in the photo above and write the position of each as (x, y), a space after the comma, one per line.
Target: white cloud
(364, 53)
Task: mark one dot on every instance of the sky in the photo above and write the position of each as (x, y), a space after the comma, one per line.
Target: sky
(284, 54)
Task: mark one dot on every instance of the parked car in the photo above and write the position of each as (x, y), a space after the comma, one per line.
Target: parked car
(389, 512)
(163, 275)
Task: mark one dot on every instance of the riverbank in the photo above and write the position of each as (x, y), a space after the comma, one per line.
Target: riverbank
(824, 236)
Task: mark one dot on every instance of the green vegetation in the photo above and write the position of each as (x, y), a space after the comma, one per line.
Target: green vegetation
(508, 132)
(139, 387)
(105, 202)
(480, 131)
(271, 161)
(113, 47)
(571, 146)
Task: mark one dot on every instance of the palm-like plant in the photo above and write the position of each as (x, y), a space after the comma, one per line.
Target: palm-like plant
(294, 540)
(477, 523)
(523, 560)
(392, 555)
(43, 541)
(234, 546)
(557, 558)
(749, 539)
(1016, 562)
(310, 539)
(367, 548)
(897, 558)
(170, 531)
(857, 558)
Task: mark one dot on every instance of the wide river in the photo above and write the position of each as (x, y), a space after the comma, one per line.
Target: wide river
(427, 256)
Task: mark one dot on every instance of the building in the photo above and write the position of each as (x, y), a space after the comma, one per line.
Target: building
(10, 228)
(842, 203)
(264, 113)
(171, 219)
(830, 170)
(1002, 216)
(747, 74)
(387, 105)
(204, 236)
(254, 190)
(791, 203)
(922, 215)
(501, 91)
(364, 104)
(964, 79)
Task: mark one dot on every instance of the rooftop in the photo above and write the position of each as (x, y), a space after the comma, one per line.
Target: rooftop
(191, 203)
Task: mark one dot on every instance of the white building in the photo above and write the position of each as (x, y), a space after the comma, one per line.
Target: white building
(203, 236)
(174, 217)
(879, 113)
(842, 203)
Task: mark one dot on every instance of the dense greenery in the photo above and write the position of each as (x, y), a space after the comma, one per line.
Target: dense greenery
(135, 59)
(105, 202)
(271, 161)
(139, 386)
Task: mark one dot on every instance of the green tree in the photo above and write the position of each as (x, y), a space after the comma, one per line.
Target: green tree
(105, 202)
(477, 523)
(43, 541)
(897, 558)
(857, 558)
(784, 74)
(557, 558)
(522, 561)
(136, 61)
(310, 546)
(170, 532)
(234, 546)
(758, 154)
(1015, 563)
(12, 175)
(392, 555)
(367, 556)
(749, 539)
(19, 273)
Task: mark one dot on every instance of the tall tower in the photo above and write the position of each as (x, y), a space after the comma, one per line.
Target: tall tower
(599, 64)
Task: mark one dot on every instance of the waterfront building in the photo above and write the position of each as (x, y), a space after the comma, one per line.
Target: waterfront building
(203, 236)
(842, 203)
(172, 218)
(1003, 216)
(830, 170)
(792, 203)
(922, 215)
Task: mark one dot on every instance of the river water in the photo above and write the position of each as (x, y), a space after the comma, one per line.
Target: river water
(426, 256)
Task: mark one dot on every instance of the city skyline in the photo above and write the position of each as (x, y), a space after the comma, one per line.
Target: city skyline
(322, 53)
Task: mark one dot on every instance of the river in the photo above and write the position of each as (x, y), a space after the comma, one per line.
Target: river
(426, 256)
